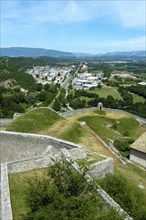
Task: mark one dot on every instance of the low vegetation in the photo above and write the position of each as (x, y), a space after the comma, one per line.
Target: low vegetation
(59, 192)
(35, 121)
(120, 132)
(74, 133)
(90, 159)
(105, 92)
(130, 198)
(105, 125)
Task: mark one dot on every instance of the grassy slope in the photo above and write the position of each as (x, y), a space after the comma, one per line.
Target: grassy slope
(104, 92)
(23, 79)
(35, 121)
(137, 98)
(102, 126)
(70, 130)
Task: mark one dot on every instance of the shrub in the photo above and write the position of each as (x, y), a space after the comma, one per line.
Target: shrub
(130, 198)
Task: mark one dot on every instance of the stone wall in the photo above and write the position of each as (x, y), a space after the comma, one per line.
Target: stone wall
(112, 203)
(6, 212)
(138, 157)
(4, 122)
(16, 146)
(102, 168)
(40, 149)
(35, 162)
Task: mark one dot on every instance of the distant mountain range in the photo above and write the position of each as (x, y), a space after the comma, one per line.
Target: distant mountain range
(140, 53)
(37, 52)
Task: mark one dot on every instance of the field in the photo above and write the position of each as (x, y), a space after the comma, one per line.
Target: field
(104, 92)
(137, 98)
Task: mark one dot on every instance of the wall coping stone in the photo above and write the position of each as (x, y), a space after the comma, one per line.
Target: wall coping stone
(6, 211)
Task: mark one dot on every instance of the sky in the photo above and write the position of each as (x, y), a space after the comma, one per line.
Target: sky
(90, 26)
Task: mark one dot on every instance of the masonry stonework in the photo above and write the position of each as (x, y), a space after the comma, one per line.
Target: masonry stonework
(22, 152)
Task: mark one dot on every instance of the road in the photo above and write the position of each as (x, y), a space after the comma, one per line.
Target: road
(64, 85)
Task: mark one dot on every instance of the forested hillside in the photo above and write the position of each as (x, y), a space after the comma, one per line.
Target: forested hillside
(12, 75)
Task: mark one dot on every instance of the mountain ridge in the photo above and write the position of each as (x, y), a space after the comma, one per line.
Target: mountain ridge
(38, 52)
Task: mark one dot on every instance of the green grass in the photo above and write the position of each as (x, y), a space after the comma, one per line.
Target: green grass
(137, 98)
(108, 128)
(90, 159)
(104, 92)
(35, 121)
(101, 126)
(74, 133)
(133, 174)
(127, 84)
(128, 127)
(85, 98)
(18, 186)
(100, 112)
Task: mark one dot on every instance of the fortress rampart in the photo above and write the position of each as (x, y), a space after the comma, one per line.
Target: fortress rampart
(22, 152)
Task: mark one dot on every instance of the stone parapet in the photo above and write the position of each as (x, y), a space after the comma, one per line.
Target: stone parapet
(6, 211)
(102, 168)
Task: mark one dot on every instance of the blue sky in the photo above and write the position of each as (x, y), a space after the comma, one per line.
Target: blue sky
(97, 26)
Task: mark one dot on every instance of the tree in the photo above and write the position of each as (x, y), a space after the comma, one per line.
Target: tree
(57, 105)
(42, 96)
(62, 194)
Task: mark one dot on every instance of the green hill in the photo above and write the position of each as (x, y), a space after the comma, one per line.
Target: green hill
(35, 121)
(11, 74)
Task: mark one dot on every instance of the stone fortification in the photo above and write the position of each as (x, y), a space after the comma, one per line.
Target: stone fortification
(17, 146)
(22, 152)
(102, 168)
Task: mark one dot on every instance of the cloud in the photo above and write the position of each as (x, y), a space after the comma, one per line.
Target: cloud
(131, 13)
(128, 13)
(62, 21)
(138, 43)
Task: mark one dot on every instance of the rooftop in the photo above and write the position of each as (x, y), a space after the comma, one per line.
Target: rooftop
(140, 143)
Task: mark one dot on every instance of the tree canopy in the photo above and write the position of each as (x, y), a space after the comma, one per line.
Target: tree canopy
(65, 194)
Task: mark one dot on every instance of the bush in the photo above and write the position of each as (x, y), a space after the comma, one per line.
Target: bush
(65, 194)
(122, 144)
(129, 197)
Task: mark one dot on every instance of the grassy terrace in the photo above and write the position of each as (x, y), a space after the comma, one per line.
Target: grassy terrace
(111, 128)
(90, 159)
(19, 183)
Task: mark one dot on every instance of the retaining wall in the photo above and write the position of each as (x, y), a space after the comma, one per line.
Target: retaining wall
(102, 168)
(53, 148)
(16, 146)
